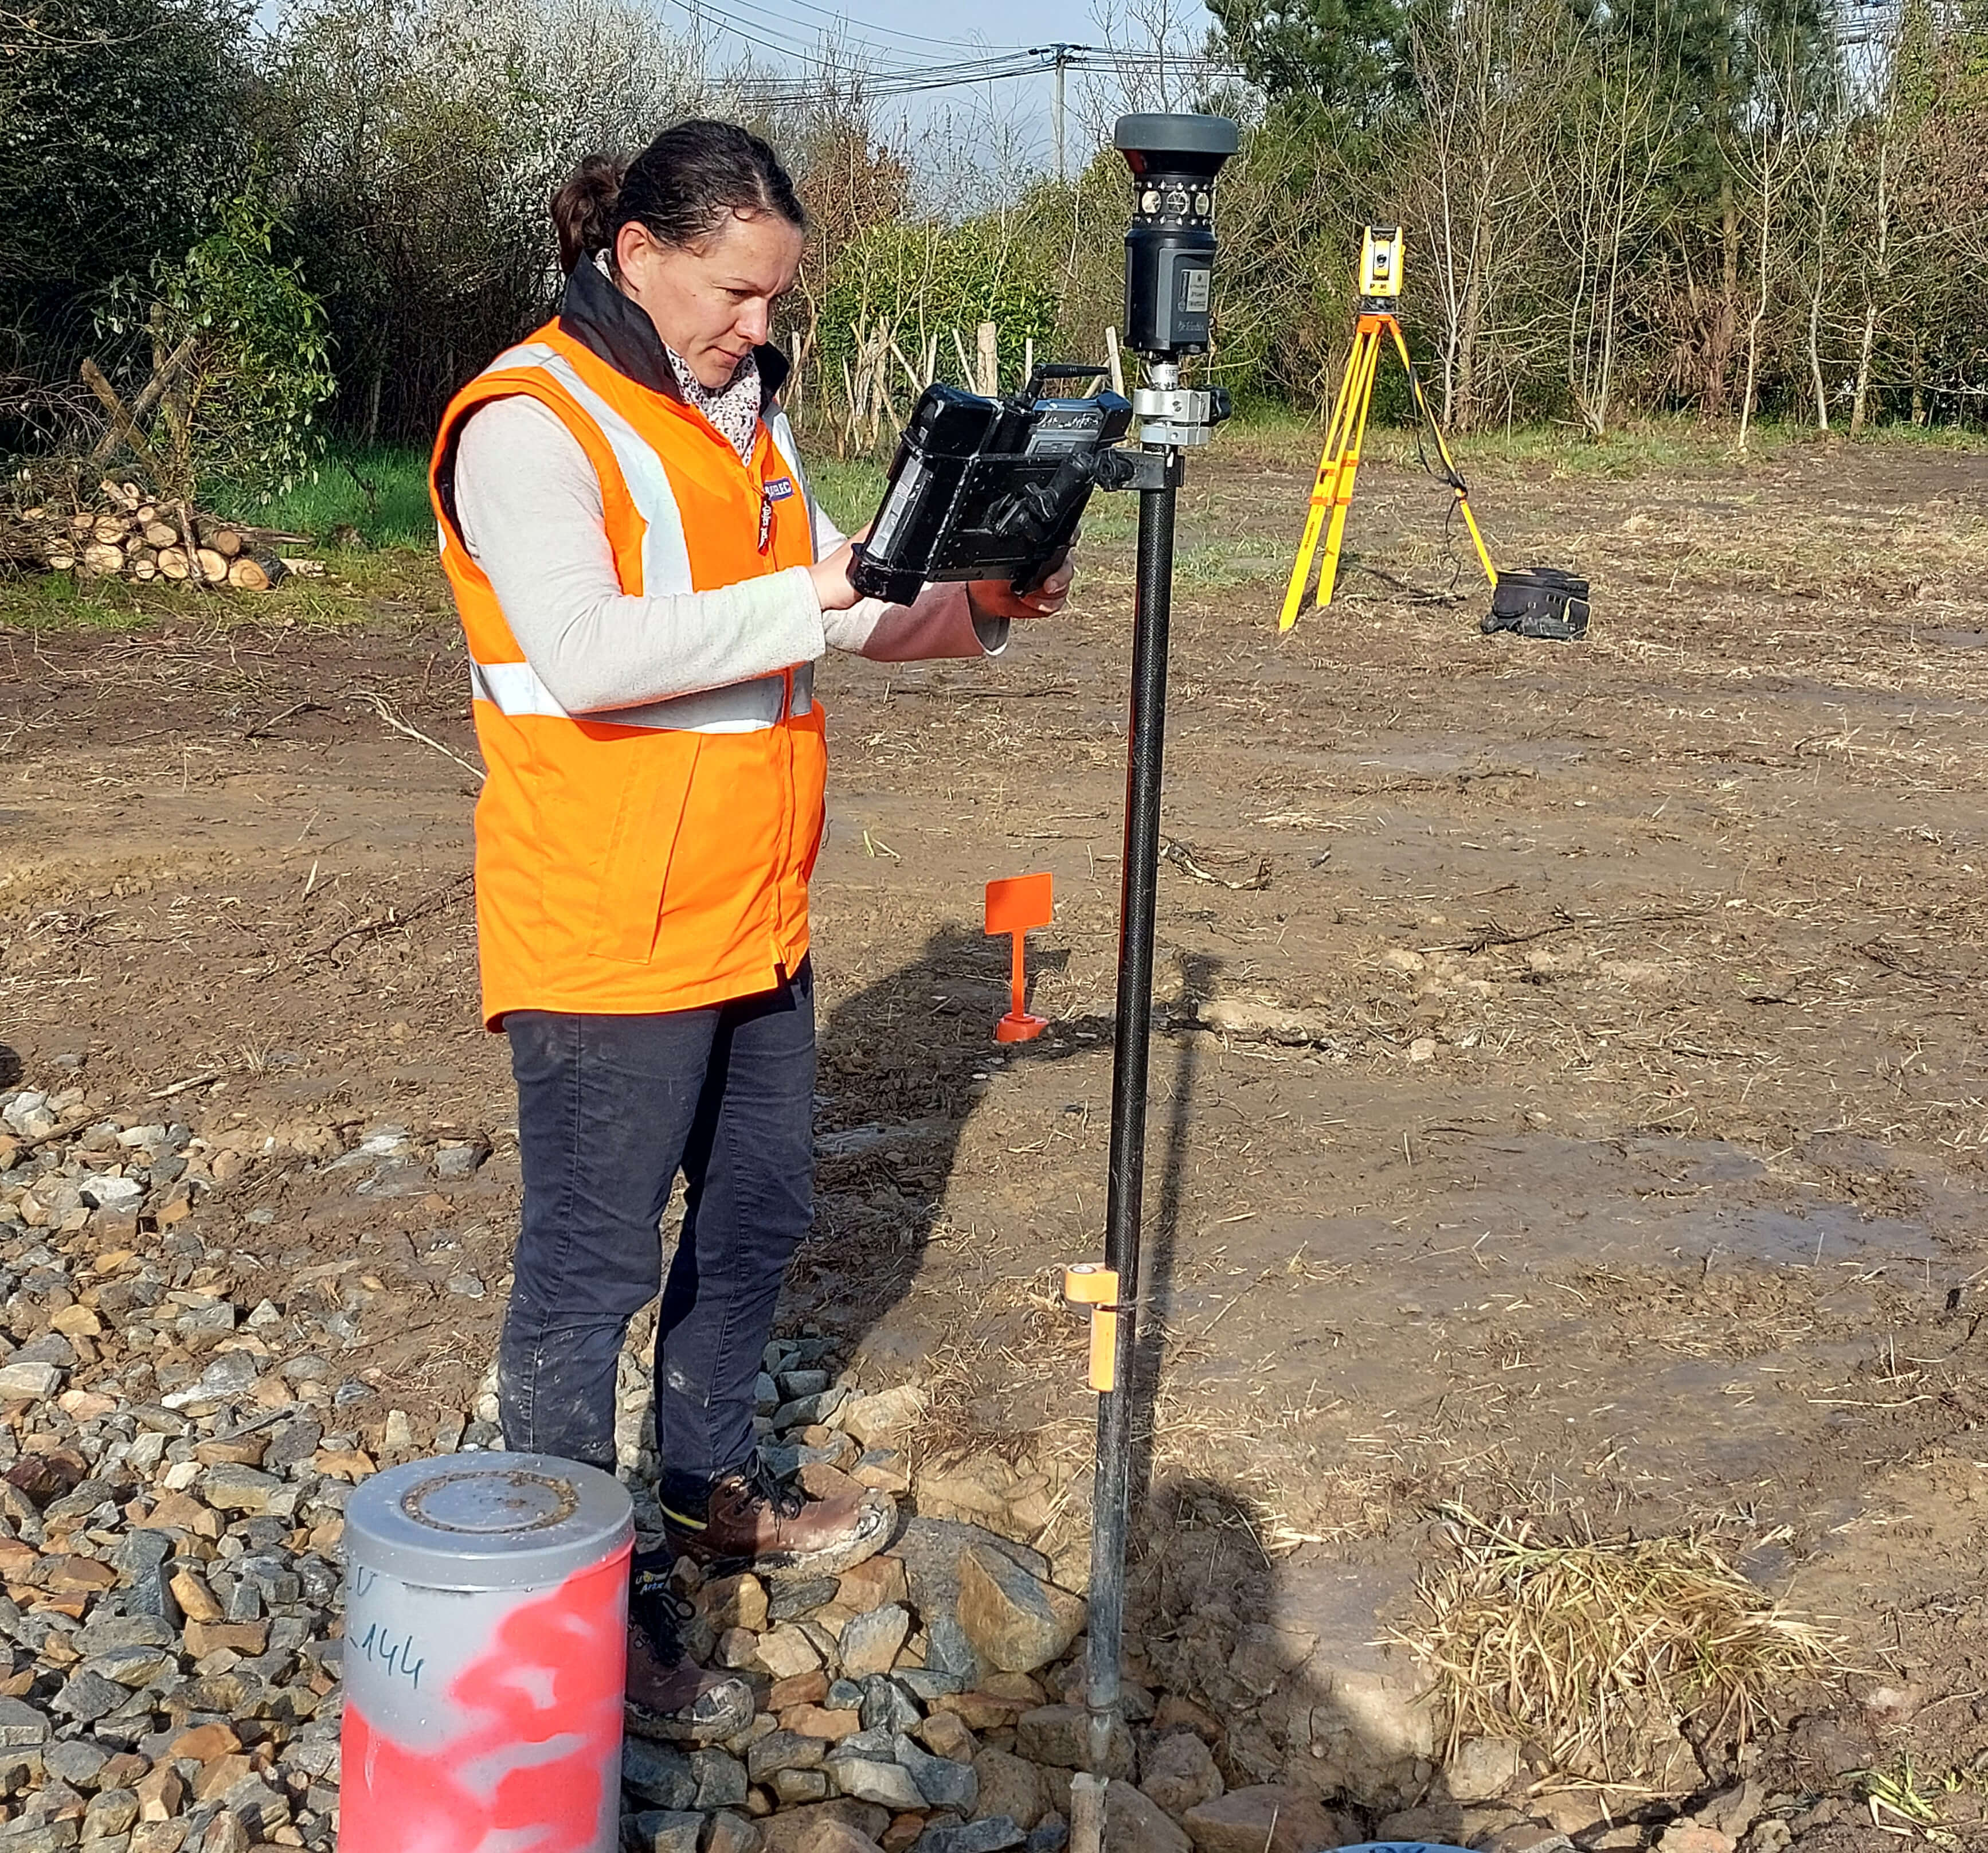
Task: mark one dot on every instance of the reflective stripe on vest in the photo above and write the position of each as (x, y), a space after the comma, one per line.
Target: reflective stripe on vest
(665, 558)
(515, 688)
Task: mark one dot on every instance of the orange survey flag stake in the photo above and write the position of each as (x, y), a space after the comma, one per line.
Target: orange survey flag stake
(1014, 906)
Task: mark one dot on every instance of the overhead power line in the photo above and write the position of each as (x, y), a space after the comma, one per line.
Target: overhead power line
(992, 66)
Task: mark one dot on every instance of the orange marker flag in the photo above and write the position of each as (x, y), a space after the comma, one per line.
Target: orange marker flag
(1014, 906)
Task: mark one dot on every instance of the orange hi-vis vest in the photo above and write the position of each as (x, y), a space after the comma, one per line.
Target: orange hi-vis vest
(655, 857)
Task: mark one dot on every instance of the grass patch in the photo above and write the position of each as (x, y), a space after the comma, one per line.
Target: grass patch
(850, 489)
(1596, 1650)
(372, 495)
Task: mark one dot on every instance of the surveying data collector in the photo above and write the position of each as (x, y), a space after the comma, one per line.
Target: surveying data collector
(646, 581)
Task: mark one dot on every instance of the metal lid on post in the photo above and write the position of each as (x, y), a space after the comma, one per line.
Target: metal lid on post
(487, 1521)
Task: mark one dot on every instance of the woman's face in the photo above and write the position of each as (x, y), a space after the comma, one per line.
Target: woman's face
(713, 302)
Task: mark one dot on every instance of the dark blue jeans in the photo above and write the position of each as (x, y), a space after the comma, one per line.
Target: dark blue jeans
(610, 1108)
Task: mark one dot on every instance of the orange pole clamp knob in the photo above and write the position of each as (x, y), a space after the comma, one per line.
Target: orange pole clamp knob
(1091, 1283)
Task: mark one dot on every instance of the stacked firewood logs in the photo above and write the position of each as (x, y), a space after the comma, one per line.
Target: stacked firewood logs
(124, 533)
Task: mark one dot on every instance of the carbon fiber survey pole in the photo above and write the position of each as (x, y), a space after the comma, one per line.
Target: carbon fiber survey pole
(1169, 264)
(1139, 880)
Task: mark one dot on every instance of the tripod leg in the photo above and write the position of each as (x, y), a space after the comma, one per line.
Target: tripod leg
(1349, 472)
(1324, 487)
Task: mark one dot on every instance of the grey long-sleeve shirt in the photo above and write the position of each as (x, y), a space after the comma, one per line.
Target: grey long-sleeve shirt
(528, 504)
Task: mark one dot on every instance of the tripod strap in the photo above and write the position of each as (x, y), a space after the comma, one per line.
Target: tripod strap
(1449, 473)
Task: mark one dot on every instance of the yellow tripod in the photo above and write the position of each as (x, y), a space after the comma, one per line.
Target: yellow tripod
(1332, 492)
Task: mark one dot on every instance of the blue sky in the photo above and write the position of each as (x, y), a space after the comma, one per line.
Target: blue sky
(783, 34)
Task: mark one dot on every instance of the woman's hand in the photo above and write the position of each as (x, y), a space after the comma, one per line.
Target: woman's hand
(832, 588)
(998, 597)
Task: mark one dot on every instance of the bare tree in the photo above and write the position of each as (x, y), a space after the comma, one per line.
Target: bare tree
(1599, 179)
(1489, 76)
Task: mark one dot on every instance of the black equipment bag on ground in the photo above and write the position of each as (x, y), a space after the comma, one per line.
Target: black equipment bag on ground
(1539, 602)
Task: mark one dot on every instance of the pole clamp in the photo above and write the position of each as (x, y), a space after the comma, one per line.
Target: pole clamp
(1179, 415)
(1094, 1287)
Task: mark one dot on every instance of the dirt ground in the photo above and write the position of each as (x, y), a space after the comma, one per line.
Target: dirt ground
(1584, 1120)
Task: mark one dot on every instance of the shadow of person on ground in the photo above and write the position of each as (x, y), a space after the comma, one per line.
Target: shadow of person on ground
(905, 1062)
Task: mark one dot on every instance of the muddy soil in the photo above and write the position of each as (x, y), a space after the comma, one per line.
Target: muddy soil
(1582, 1120)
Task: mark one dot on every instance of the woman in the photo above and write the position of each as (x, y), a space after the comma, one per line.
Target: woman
(645, 582)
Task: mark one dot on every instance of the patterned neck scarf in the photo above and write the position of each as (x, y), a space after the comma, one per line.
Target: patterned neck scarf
(732, 409)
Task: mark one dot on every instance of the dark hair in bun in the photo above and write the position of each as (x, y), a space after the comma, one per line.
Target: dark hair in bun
(681, 189)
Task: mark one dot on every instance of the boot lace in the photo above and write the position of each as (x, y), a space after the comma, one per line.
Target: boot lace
(761, 1485)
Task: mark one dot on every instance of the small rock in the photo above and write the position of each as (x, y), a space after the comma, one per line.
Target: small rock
(872, 1584)
(720, 1778)
(228, 1834)
(456, 1162)
(886, 1419)
(1691, 1837)
(887, 1707)
(888, 1784)
(247, 1638)
(783, 1750)
(804, 1689)
(734, 1601)
(991, 1833)
(1010, 1786)
(159, 1794)
(1268, 1817)
(945, 1734)
(196, 1599)
(74, 1760)
(1179, 1773)
(236, 1489)
(787, 1652)
(1733, 1810)
(1133, 1824)
(28, 1382)
(790, 1601)
(870, 1642)
(726, 1832)
(1016, 1620)
(662, 1830)
(1482, 1768)
(117, 1196)
(812, 1721)
(203, 1744)
(87, 1697)
(1050, 1835)
(792, 1786)
(881, 1469)
(843, 1826)
(658, 1773)
(943, 1783)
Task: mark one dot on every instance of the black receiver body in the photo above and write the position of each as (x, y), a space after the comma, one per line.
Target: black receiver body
(988, 488)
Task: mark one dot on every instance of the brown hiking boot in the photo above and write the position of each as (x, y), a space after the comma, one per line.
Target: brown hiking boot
(669, 1695)
(750, 1518)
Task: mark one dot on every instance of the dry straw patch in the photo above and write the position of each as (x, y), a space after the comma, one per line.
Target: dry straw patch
(1598, 1650)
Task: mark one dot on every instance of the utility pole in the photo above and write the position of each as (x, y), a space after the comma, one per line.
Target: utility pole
(1061, 57)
